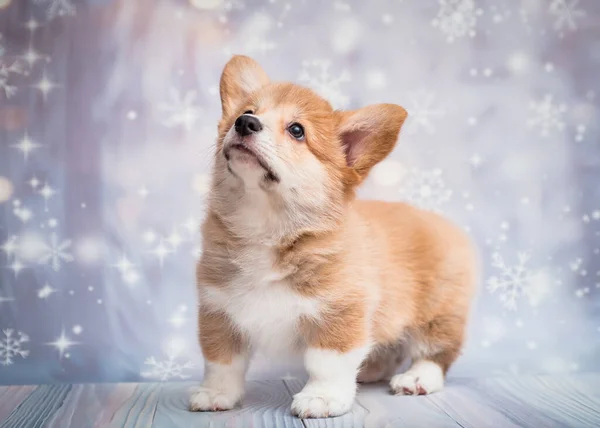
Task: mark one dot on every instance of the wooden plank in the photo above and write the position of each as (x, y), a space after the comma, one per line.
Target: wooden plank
(64, 415)
(376, 407)
(91, 405)
(117, 399)
(530, 401)
(561, 399)
(385, 409)
(39, 406)
(464, 402)
(265, 404)
(142, 405)
(584, 383)
(11, 397)
(138, 410)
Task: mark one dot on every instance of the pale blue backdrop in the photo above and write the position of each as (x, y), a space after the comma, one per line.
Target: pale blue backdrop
(108, 112)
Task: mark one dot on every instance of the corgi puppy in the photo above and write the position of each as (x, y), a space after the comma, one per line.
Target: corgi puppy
(292, 262)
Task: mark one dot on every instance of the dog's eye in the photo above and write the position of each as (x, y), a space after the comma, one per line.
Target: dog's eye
(297, 131)
(248, 112)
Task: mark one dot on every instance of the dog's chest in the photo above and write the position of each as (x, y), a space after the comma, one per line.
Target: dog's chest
(262, 302)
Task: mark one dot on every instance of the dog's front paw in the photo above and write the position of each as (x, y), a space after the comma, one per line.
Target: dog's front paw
(310, 405)
(205, 399)
(423, 378)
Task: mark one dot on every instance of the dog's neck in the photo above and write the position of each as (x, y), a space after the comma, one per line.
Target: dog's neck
(258, 217)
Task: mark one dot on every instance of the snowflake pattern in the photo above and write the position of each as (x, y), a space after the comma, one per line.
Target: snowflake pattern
(55, 8)
(56, 252)
(423, 111)
(166, 370)
(10, 246)
(180, 110)
(517, 281)
(128, 271)
(566, 14)
(457, 18)
(425, 189)
(317, 75)
(547, 116)
(11, 346)
(8, 70)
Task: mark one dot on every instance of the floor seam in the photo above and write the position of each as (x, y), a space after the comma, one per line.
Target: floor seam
(443, 410)
(292, 396)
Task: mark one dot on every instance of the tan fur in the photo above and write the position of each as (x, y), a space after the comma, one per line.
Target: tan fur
(386, 273)
(214, 326)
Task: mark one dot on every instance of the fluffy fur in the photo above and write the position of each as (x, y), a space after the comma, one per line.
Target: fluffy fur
(292, 262)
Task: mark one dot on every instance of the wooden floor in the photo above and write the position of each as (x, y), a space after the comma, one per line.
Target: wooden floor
(532, 401)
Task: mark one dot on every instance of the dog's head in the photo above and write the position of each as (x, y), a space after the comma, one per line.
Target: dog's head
(285, 155)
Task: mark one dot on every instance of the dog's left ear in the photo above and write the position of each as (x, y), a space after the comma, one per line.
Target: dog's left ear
(368, 135)
(241, 77)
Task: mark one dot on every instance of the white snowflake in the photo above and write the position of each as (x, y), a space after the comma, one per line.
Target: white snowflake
(128, 271)
(10, 246)
(457, 18)
(46, 291)
(62, 344)
(174, 239)
(11, 346)
(191, 225)
(517, 281)
(167, 369)
(45, 85)
(565, 13)
(7, 70)
(56, 252)
(161, 251)
(180, 109)
(423, 111)
(16, 266)
(56, 8)
(26, 146)
(425, 189)
(317, 75)
(547, 116)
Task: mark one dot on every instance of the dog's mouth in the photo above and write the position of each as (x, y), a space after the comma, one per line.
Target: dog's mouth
(269, 173)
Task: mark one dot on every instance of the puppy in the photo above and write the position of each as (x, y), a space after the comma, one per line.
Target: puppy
(292, 262)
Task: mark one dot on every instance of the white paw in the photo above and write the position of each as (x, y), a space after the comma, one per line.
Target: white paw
(212, 400)
(307, 405)
(424, 377)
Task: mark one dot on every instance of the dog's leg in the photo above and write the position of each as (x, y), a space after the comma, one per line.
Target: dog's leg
(226, 361)
(381, 364)
(433, 350)
(334, 354)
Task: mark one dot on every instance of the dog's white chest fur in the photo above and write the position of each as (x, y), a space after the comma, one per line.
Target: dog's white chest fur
(262, 304)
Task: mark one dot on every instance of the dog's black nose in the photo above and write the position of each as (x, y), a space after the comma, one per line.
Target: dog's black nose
(246, 125)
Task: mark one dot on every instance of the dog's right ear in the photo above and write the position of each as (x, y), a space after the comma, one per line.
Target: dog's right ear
(241, 76)
(368, 135)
